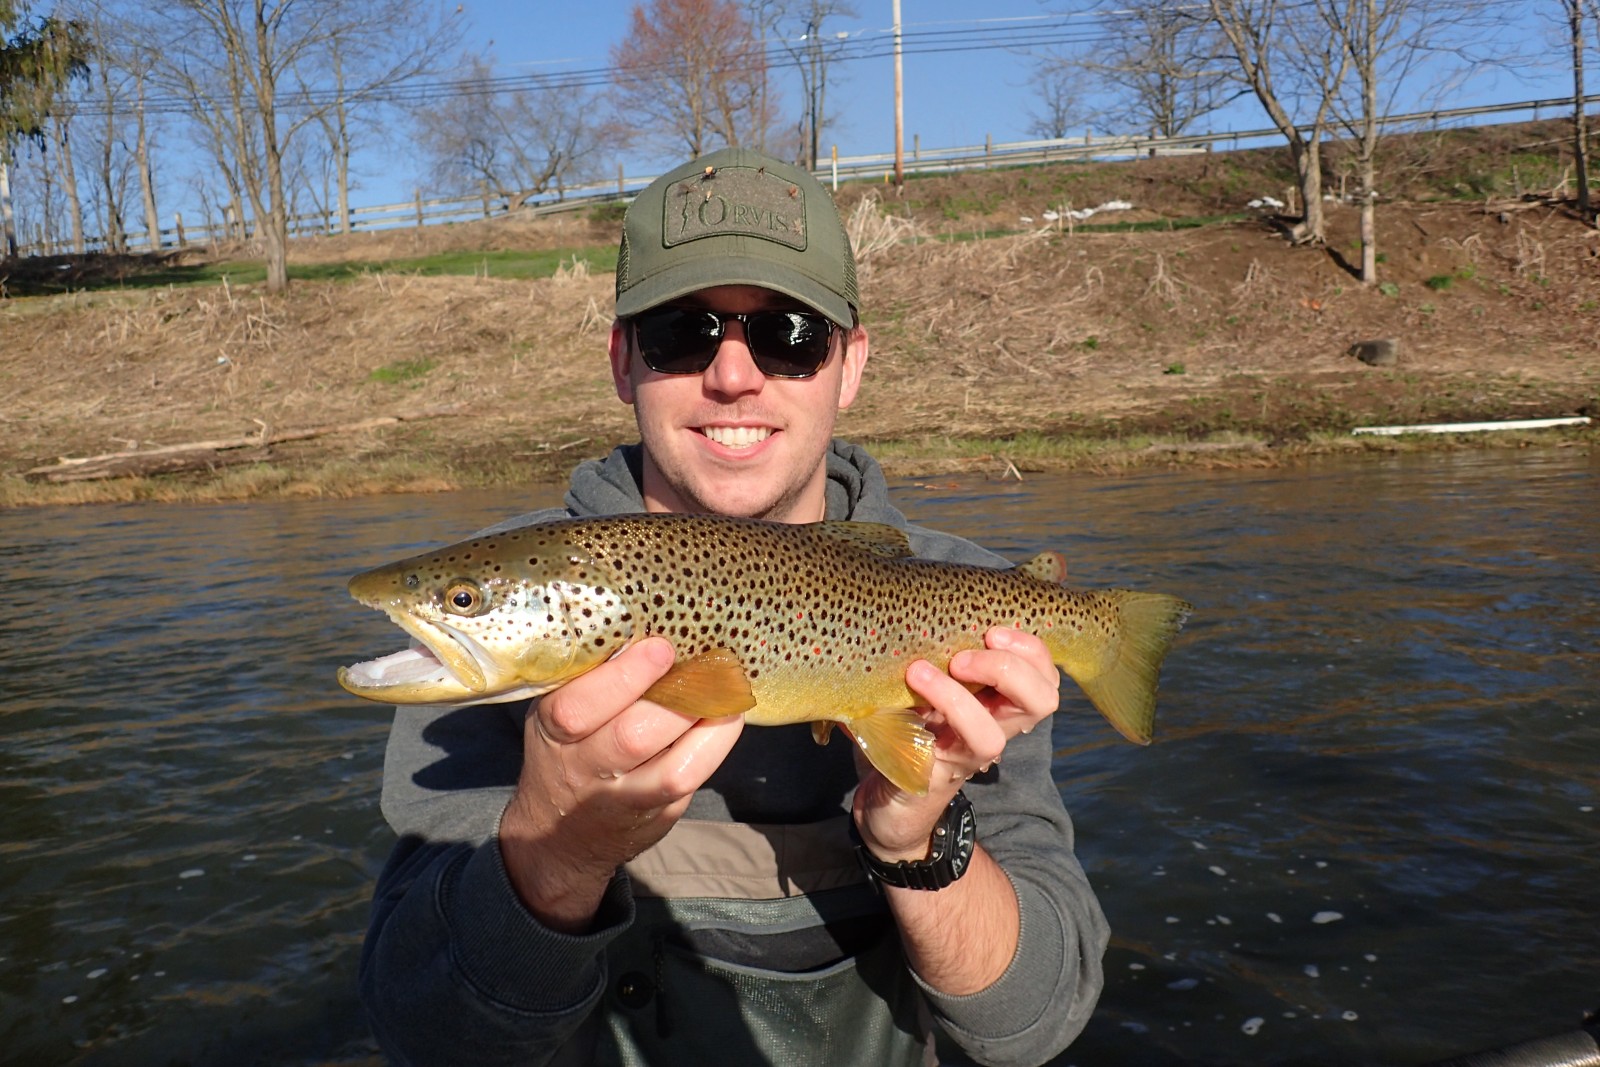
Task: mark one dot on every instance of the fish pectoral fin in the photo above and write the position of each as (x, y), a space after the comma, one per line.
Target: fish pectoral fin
(1046, 566)
(709, 686)
(897, 744)
(879, 538)
(822, 731)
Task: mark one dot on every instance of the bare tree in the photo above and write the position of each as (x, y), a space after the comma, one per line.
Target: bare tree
(694, 70)
(1058, 83)
(1390, 43)
(110, 164)
(1168, 63)
(518, 144)
(800, 30)
(61, 141)
(1296, 73)
(256, 72)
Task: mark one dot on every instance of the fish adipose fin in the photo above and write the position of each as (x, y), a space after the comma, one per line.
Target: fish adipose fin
(878, 538)
(708, 686)
(1125, 691)
(897, 744)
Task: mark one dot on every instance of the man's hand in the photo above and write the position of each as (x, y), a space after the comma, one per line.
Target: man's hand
(605, 775)
(1017, 688)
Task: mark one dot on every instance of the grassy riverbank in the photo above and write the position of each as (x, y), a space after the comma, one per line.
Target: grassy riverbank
(1186, 331)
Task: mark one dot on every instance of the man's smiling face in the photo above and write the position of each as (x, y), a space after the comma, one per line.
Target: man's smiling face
(730, 440)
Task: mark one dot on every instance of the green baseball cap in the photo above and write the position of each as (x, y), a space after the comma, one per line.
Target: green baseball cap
(736, 217)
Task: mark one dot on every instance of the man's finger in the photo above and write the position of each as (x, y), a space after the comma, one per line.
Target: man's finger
(590, 700)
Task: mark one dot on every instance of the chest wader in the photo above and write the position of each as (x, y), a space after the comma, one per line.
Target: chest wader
(756, 945)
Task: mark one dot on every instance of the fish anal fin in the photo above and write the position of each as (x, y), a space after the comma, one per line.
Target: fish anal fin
(897, 744)
(822, 731)
(878, 538)
(1046, 566)
(710, 685)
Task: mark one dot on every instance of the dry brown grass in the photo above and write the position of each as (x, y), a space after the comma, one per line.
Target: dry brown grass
(1044, 332)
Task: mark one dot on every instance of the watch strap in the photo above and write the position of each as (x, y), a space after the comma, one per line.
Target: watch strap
(949, 852)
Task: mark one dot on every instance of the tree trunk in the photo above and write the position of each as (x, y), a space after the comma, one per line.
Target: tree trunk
(1307, 154)
(277, 221)
(1580, 124)
(1369, 240)
(343, 156)
(152, 220)
(113, 240)
(1368, 67)
(8, 225)
(69, 180)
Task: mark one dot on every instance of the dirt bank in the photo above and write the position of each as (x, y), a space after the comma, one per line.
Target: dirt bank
(1055, 344)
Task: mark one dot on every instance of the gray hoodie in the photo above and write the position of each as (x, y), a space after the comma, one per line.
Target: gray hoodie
(749, 934)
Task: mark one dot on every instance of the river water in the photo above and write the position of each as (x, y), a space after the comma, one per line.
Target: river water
(1369, 831)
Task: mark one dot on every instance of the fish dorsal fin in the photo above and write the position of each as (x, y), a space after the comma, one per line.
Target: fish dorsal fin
(709, 686)
(1046, 566)
(878, 538)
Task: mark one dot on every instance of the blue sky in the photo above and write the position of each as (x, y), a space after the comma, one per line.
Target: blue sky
(953, 97)
(950, 98)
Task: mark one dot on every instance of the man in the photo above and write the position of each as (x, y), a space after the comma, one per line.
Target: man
(597, 880)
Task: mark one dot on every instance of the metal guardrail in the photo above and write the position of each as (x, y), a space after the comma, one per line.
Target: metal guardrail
(422, 211)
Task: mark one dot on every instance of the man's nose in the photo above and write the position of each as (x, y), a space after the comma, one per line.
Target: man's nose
(734, 372)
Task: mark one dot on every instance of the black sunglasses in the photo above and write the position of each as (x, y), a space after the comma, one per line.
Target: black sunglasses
(784, 344)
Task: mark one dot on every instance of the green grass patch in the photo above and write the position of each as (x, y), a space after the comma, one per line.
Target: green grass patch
(501, 264)
(1161, 225)
(400, 371)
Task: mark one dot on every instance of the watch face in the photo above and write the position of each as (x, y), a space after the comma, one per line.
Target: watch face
(966, 839)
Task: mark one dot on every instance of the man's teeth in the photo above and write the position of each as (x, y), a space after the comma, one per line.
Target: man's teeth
(737, 436)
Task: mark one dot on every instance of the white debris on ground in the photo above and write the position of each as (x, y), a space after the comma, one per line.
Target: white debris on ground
(1079, 214)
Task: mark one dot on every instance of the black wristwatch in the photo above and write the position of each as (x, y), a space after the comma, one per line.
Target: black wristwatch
(949, 851)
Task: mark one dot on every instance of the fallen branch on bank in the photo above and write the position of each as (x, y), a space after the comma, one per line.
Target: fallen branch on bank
(204, 455)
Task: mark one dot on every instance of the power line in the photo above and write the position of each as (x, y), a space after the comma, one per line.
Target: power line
(1030, 33)
(859, 47)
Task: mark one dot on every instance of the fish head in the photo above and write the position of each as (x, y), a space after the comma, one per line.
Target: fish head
(498, 618)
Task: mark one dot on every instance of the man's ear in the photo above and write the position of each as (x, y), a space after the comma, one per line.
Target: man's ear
(855, 364)
(621, 356)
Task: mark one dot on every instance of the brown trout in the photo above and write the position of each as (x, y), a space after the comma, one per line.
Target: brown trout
(781, 623)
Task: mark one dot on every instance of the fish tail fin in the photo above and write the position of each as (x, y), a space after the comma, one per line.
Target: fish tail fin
(897, 744)
(1121, 681)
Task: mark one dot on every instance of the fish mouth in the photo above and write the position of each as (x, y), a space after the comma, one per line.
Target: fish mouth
(449, 667)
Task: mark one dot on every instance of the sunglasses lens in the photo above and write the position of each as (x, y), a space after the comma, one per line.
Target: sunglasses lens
(789, 344)
(677, 340)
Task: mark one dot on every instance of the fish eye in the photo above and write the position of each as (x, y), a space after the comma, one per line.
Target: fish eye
(464, 598)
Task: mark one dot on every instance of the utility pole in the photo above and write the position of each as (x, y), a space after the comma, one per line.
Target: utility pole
(899, 107)
(814, 105)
